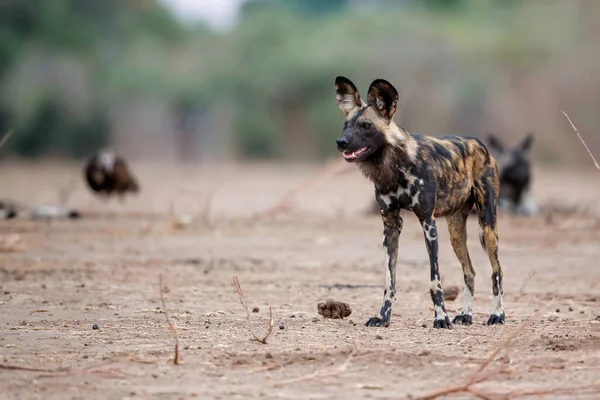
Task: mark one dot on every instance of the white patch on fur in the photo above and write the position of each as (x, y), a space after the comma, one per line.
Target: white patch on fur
(435, 285)
(467, 301)
(348, 104)
(106, 159)
(389, 292)
(395, 136)
(497, 306)
(440, 314)
(427, 230)
(386, 198)
(411, 179)
(415, 199)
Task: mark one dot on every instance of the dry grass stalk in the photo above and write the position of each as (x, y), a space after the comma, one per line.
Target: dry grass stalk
(238, 288)
(176, 359)
(322, 373)
(5, 138)
(480, 375)
(52, 372)
(581, 139)
(333, 167)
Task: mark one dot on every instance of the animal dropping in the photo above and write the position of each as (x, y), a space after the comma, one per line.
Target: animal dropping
(108, 174)
(334, 309)
(451, 293)
(433, 177)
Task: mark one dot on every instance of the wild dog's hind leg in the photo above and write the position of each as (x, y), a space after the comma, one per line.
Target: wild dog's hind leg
(441, 319)
(457, 226)
(392, 227)
(486, 200)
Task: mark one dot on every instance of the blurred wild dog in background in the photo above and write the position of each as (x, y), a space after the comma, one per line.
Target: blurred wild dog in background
(108, 174)
(514, 165)
(432, 177)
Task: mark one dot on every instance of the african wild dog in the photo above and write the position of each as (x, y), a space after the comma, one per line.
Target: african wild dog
(106, 173)
(432, 177)
(514, 165)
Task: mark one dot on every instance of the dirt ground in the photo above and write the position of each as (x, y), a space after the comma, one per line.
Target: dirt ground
(59, 278)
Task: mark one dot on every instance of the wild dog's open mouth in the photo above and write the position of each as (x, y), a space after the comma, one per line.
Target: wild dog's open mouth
(353, 155)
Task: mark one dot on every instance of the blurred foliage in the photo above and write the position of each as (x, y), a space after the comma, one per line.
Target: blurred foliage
(66, 66)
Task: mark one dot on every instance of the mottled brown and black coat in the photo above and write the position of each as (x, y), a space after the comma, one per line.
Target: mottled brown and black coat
(430, 176)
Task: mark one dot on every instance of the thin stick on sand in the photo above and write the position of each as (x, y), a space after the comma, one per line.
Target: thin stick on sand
(480, 375)
(176, 359)
(238, 288)
(581, 139)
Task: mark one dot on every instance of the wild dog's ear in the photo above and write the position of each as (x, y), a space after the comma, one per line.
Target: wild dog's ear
(526, 145)
(495, 143)
(347, 95)
(384, 96)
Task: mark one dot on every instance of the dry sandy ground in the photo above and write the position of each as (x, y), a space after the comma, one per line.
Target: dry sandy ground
(58, 279)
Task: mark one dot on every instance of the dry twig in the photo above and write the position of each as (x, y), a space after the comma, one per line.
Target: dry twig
(321, 373)
(581, 139)
(480, 375)
(176, 359)
(238, 288)
(5, 138)
(52, 372)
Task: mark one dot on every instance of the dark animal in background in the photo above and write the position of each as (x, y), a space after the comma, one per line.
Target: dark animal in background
(514, 165)
(430, 176)
(7, 210)
(108, 174)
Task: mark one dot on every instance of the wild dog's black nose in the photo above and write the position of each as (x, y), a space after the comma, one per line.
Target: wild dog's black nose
(342, 143)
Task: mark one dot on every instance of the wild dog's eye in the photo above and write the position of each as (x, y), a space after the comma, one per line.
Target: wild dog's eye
(366, 125)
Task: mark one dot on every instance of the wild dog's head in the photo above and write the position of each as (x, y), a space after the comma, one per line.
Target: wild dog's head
(514, 165)
(368, 126)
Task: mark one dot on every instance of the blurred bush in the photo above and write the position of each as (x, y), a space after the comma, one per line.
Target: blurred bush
(76, 75)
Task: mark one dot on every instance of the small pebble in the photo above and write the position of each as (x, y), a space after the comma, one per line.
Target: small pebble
(255, 310)
(570, 308)
(268, 355)
(315, 320)
(424, 326)
(558, 310)
(95, 326)
(281, 326)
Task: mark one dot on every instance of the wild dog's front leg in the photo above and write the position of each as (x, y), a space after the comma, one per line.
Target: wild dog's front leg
(392, 226)
(441, 319)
